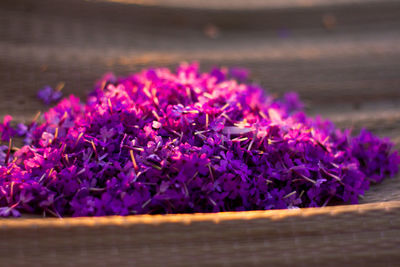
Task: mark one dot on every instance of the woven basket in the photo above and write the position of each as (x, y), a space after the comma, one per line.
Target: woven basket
(358, 235)
(341, 56)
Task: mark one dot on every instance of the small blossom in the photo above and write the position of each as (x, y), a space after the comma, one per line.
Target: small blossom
(49, 95)
(239, 73)
(6, 130)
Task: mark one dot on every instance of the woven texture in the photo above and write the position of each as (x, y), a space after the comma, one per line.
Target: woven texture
(342, 57)
(352, 235)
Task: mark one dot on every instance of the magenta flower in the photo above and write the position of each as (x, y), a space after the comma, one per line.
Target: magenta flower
(7, 132)
(181, 142)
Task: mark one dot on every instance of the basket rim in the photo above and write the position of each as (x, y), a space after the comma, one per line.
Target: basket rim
(238, 5)
(187, 219)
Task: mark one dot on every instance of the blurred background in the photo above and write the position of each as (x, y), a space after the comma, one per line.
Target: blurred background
(341, 56)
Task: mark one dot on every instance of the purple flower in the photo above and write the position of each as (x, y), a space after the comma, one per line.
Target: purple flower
(164, 142)
(21, 129)
(292, 102)
(240, 74)
(7, 132)
(375, 156)
(9, 211)
(49, 95)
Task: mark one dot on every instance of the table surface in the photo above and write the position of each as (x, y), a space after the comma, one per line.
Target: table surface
(342, 57)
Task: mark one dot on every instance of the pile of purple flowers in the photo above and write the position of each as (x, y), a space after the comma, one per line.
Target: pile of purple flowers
(163, 142)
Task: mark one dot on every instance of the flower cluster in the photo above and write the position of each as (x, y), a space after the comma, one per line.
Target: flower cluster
(164, 142)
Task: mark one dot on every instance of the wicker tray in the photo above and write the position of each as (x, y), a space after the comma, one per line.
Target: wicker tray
(342, 57)
(358, 235)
